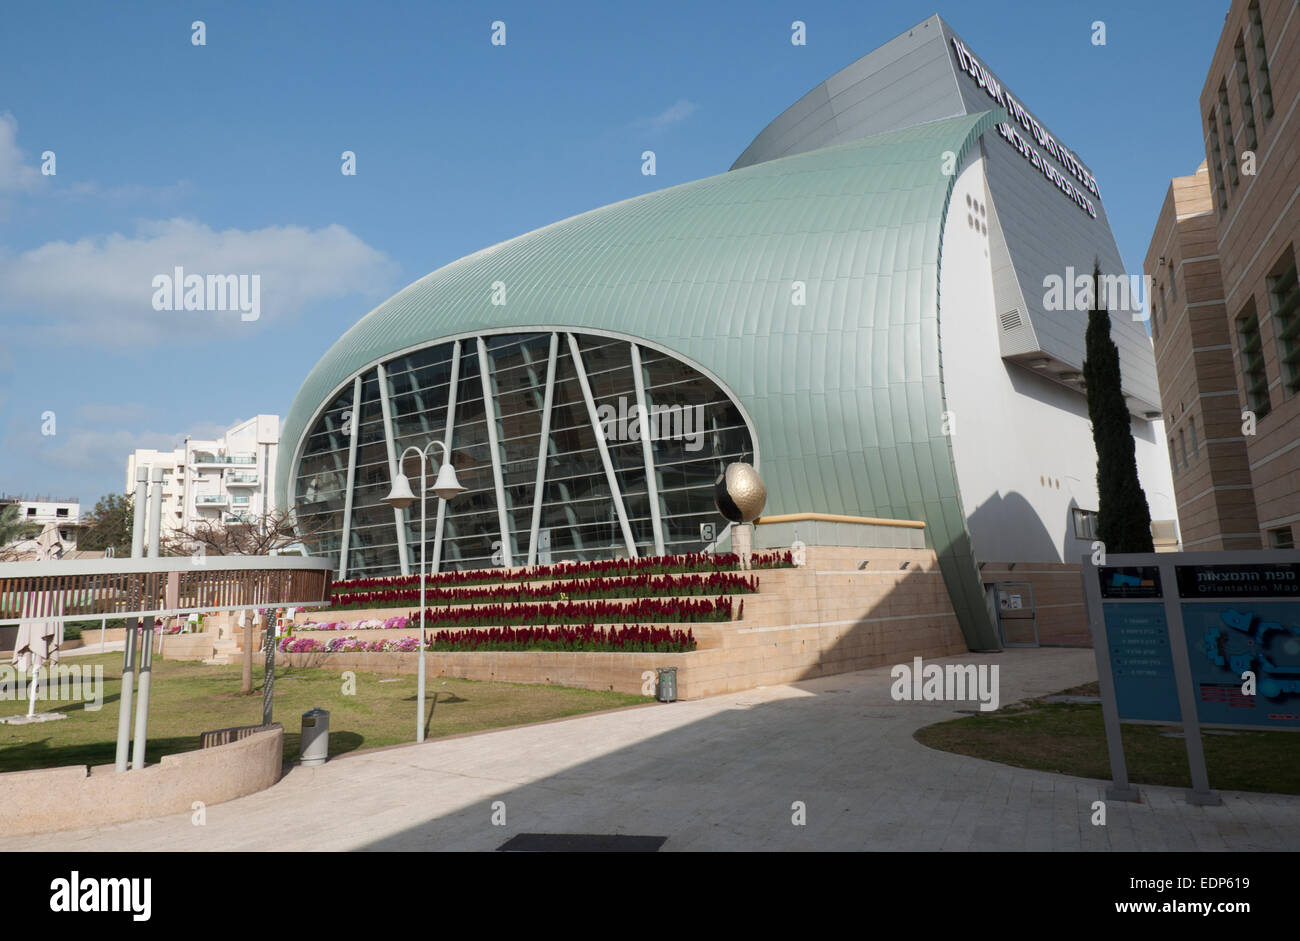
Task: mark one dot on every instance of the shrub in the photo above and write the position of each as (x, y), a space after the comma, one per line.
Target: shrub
(582, 637)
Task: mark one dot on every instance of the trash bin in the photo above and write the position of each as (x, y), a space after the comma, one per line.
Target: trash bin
(314, 746)
(666, 684)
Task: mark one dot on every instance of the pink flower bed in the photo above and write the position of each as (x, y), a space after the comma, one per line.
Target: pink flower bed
(348, 645)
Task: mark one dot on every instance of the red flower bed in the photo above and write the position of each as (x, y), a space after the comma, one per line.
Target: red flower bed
(640, 586)
(578, 637)
(610, 568)
(579, 612)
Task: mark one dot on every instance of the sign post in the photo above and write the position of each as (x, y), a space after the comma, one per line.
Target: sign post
(1195, 639)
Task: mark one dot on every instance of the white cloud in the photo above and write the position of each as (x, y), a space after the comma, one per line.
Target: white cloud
(15, 173)
(18, 175)
(100, 288)
(675, 114)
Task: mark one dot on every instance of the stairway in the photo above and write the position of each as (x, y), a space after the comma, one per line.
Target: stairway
(224, 651)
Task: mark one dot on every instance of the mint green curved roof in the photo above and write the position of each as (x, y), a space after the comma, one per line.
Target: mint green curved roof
(845, 392)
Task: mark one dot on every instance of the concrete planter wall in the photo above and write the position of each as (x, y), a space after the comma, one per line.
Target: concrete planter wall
(77, 796)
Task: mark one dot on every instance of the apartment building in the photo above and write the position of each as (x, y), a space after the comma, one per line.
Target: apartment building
(220, 481)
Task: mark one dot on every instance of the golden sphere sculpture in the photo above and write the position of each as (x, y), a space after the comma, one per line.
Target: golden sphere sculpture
(739, 493)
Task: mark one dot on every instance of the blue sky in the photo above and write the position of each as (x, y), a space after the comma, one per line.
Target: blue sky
(230, 153)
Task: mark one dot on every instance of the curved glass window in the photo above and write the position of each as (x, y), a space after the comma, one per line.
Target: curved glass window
(630, 497)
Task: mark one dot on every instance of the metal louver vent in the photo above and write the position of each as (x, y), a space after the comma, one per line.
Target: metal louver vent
(1011, 320)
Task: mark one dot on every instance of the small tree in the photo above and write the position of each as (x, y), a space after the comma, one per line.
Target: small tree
(1123, 517)
(110, 524)
(13, 529)
(252, 535)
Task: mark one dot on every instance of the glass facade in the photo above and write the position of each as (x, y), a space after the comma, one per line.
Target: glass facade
(487, 397)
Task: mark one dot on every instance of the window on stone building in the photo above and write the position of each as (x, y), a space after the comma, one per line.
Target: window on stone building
(1250, 351)
(1229, 144)
(1284, 302)
(1216, 161)
(1243, 86)
(1261, 62)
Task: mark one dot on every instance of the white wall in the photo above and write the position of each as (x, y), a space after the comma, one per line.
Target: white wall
(1022, 444)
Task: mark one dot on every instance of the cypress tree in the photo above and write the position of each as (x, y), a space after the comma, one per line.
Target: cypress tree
(1123, 517)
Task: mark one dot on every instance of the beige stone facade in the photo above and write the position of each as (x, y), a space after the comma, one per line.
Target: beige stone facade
(1224, 261)
(1198, 384)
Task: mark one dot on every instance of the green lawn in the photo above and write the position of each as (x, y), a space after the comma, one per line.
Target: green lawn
(190, 698)
(1071, 739)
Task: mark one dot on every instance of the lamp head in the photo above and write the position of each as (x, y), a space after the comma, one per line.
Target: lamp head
(447, 486)
(400, 497)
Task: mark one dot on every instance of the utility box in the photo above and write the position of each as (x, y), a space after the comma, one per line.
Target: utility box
(314, 746)
(666, 684)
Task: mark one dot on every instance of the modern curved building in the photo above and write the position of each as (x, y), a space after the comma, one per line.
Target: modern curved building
(857, 308)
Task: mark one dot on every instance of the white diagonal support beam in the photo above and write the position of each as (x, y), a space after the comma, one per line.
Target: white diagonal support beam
(543, 450)
(490, 418)
(399, 520)
(446, 440)
(647, 450)
(615, 493)
(354, 419)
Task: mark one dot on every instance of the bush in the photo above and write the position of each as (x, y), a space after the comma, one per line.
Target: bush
(74, 629)
(583, 637)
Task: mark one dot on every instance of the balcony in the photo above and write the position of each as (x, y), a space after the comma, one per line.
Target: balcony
(242, 480)
(211, 501)
(218, 460)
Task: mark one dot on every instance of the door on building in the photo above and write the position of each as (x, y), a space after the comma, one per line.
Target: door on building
(1015, 615)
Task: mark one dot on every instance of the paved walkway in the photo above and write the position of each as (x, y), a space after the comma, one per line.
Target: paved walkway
(717, 774)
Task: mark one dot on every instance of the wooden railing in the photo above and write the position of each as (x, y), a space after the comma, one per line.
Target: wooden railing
(61, 591)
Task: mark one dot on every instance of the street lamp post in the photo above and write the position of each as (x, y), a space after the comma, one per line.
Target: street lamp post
(445, 486)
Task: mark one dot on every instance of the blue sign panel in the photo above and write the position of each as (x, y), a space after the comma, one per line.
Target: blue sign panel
(1141, 661)
(1227, 639)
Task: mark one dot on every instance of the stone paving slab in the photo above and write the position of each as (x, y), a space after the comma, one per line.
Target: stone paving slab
(724, 773)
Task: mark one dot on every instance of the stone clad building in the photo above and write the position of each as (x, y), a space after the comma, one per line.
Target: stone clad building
(1224, 260)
